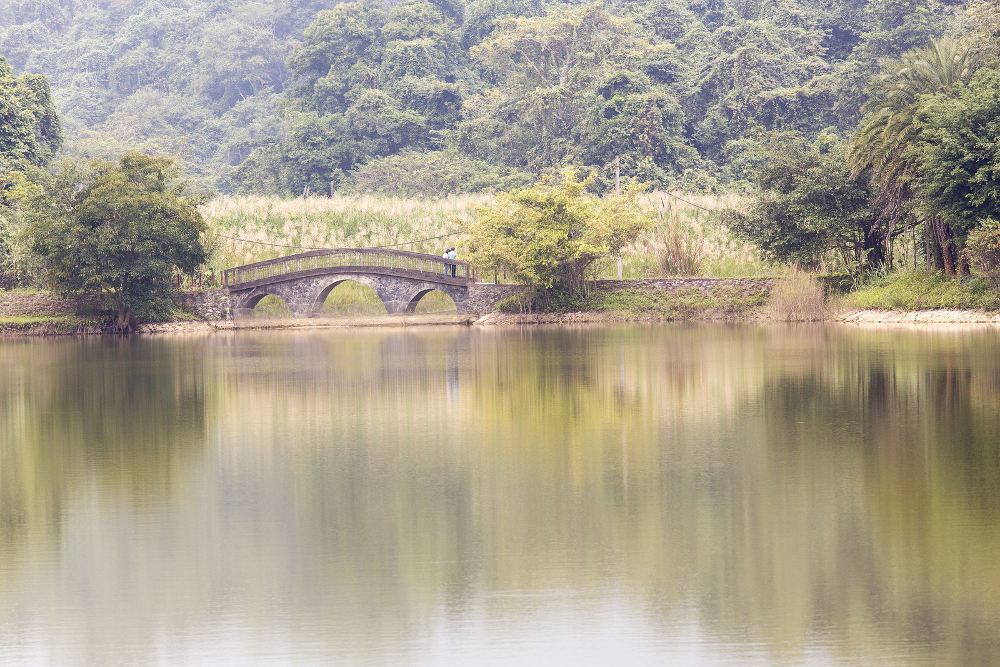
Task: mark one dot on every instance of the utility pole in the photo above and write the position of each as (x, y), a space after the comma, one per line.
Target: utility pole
(618, 193)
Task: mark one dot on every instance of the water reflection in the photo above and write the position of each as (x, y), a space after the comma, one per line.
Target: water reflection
(663, 493)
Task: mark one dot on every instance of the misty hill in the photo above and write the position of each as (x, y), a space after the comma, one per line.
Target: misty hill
(295, 95)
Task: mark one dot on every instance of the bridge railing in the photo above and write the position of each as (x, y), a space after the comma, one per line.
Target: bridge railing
(348, 258)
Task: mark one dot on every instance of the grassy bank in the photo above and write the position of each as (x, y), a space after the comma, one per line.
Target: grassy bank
(923, 290)
(48, 325)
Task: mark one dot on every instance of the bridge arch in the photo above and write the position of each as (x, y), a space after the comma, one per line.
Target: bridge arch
(324, 292)
(251, 300)
(411, 306)
(304, 281)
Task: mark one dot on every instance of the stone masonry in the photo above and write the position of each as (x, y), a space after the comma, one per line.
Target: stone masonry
(305, 296)
(399, 294)
(308, 295)
(214, 304)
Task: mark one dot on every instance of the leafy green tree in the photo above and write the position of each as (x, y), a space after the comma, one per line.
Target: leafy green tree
(30, 132)
(860, 36)
(958, 156)
(806, 205)
(339, 55)
(637, 121)
(751, 72)
(380, 127)
(550, 236)
(883, 146)
(30, 135)
(544, 68)
(119, 234)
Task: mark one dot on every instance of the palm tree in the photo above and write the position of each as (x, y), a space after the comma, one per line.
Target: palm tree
(880, 150)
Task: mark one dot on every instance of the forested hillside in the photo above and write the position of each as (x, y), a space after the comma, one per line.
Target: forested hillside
(287, 96)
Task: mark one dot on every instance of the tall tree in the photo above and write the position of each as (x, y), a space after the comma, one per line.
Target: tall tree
(119, 233)
(881, 148)
(806, 205)
(958, 156)
(549, 236)
(30, 131)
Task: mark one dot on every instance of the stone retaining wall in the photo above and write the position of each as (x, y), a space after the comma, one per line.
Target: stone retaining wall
(484, 297)
(744, 286)
(215, 304)
(26, 304)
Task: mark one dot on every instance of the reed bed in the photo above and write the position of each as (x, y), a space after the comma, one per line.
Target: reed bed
(689, 239)
(684, 240)
(328, 222)
(798, 297)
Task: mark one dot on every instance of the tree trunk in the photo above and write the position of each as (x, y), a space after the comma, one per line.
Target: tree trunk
(126, 321)
(945, 244)
(874, 249)
(928, 253)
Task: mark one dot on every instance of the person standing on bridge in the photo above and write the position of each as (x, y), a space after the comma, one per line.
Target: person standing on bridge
(453, 256)
(445, 255)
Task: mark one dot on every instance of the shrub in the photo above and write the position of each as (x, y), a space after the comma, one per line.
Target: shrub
(983, 248)
(549, 237)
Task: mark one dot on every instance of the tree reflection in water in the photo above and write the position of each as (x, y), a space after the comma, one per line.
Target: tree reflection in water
(776, 493)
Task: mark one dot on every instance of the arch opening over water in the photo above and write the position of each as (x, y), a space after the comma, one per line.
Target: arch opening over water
(349, 297)
(268, 305)
(431, 301)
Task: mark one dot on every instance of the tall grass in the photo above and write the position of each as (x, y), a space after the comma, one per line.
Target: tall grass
(329, 222)
(685, 240)
(688, 239)
(799, 297)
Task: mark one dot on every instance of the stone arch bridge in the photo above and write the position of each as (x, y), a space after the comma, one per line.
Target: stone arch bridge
(399, 278)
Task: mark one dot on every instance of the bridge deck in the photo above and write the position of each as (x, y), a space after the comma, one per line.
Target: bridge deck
(400, 263)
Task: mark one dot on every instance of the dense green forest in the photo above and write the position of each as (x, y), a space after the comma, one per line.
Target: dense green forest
(421, 96)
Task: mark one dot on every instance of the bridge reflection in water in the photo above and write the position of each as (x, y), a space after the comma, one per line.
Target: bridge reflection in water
(303, 281)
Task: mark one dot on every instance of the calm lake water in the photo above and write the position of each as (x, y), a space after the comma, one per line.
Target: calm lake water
(632, 495)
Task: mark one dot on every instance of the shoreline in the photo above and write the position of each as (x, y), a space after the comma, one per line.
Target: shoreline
(890, 318)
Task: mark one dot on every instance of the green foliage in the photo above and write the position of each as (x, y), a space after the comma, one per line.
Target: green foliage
(958, 156)
(29, 127)
(30, 135)
(414, 174)
(881, 147)
(119, 232)
(983, 248)
(369, 84)
(289, 95)
(919, 290)
(806, 205)
(548, 237)
(884, 147)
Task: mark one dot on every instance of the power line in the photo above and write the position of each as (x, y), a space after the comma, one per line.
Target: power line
(690, 203)
(276, 245)
(429, 238)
